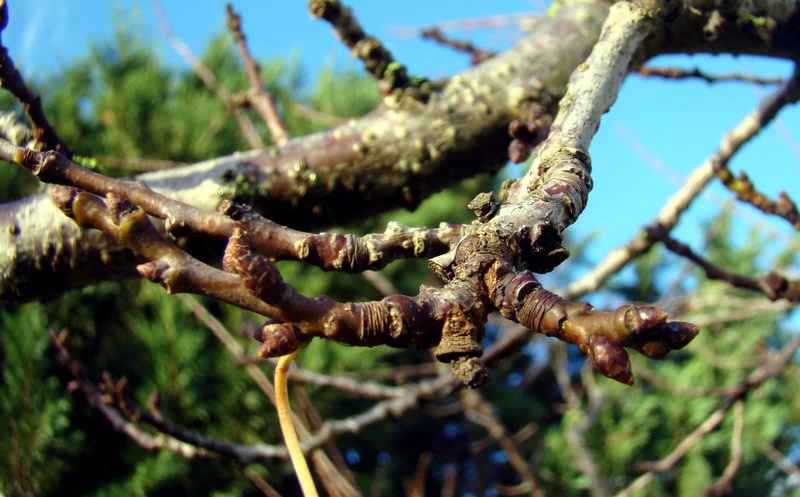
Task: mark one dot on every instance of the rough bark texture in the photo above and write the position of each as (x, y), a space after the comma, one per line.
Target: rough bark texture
(393, 157)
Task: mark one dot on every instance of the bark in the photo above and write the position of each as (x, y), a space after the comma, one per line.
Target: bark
(395, 156)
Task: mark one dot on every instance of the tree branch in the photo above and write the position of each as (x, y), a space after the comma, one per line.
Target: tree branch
(773, 367)
(389, 158)
(671, 213)
(258, 97)
(208, 78)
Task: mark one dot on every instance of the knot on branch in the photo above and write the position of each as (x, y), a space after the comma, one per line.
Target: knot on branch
(484, 206)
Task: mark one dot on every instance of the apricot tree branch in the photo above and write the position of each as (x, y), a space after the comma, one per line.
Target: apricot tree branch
(207, 77)
(329, 251)
(773, 285)
(481, 271)
(261, 100)
(746, 192)
(377, 59)
(678, 73)
(671, 213)
(11, 80)
(392, 157)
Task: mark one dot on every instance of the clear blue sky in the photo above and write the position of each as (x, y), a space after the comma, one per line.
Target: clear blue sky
(655, 134)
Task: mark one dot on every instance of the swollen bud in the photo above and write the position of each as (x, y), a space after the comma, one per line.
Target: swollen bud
(643, 318)
(278, 338)
(610, 359)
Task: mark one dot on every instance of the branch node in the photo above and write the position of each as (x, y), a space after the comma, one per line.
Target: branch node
(484, 206)
(279, 339)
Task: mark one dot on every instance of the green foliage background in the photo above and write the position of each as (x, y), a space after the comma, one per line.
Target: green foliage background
(121, 101)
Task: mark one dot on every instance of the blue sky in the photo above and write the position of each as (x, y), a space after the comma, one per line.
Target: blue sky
(656, 133)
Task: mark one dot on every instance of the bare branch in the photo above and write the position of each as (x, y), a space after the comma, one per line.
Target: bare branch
(774, 286)
(575, 432)
(723, 484)
(678, 73)
(670, 214)
(477, 55)
(259, 97)
(481, 412)
(12, 81)
(94, 397)
(746, 192)
(775, 366)
(378, 61)
(207, 77)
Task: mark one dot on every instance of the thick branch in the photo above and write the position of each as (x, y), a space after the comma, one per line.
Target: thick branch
(392, 157)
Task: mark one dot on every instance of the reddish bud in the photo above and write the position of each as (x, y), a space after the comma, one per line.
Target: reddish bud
(610, 359)
(278, 339)
(678, 334)
(640, 319)
(519, 151)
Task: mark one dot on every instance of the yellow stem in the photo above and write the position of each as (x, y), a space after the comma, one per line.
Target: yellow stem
(287, 428)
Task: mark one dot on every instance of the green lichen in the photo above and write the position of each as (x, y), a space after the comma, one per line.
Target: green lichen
(241, 188)
(92, 164)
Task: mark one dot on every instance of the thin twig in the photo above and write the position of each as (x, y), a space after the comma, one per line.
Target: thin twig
(774, 286)
(260, 483)
(316, 116)
(12, 81)
(207, 77)
(477, 55)
(723, 485)
(469, 24)
(377, 59)
(356, 388)
(678, 73)
(671, 213)
(773, 367)
(745, 191)
(481, 412)
(94, 397)
(780, 460)
(575, 432)
(259, 98)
